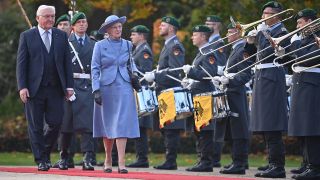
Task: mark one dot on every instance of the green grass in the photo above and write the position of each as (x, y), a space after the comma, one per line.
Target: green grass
(26, 159)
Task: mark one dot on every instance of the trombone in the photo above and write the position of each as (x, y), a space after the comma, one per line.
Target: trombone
(243, 28)
(297, 69)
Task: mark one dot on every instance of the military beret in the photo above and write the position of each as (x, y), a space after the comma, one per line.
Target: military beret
(140, 29)
(308, 13)
(171, 20)
(230, 26)
(214, 18)
(64, 17)
(272, 4)
(201, 28)
(77, 16)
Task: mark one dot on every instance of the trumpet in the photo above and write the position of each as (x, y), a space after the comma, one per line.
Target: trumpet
(297, 69)
(243, 28)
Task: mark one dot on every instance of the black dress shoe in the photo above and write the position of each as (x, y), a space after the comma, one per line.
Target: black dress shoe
(216, 164)
(70, 163)
(87, 166)
(48, 162)
(138, 164)
(62, 165)
(201, 167)
(299, 170)
(234, 169)
(309, 173)
(107, 170)
(263, 168)
(272, 172)
(122, 171)
(167, 166)
(42, 166)
(229, 165)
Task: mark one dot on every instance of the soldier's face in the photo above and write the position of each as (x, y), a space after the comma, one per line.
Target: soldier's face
(64, 26)
(214, 26)
(233, 34)
(81, 26)
(136, 38)
(267, 12)
(115, 30)
(301, 22)
(197, 38)
(164, 29)
(46, 18)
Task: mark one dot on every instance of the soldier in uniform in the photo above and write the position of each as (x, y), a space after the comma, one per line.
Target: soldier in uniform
(63, 23)
(143, 58)
(215, 23)
(304, 115)
(79, 112)
(204, 138)
(171, 56)
(269, 105)
(238, 121)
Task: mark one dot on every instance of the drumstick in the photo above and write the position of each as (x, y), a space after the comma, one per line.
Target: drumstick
(176, 79)
(205, 71)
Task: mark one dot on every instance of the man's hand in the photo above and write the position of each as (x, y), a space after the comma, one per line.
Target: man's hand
(279, 51)
(186, 68)
(251, 36)
(224, 80)
(149, 76)
(262, 27)
(69, 93)
(24, 94)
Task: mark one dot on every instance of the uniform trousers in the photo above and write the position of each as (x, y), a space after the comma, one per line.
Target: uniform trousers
(275, 147)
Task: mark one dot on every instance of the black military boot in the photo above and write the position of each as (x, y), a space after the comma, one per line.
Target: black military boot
(87, 166)
(141, 145)
(272, 172)
(309, 173)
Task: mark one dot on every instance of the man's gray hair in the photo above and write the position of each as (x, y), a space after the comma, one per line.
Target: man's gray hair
(43, 7)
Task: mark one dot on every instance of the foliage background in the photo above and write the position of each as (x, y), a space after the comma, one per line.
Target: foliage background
(147, 12)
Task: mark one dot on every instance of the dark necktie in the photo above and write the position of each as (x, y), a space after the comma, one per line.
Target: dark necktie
(81, 42)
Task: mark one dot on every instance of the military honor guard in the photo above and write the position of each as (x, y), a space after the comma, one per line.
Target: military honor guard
(143, 58)
(215, 23)
(305, 100)
(79, 109)
(198, 85)
(269, 106)
(238, 121)
(63, 23)
(171, 56)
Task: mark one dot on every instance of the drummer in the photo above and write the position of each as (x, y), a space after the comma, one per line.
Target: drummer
(171, 56)
(143, 58)
(237, 99)
(204, 138)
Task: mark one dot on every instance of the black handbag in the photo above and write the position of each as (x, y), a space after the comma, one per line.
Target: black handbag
(134, 78)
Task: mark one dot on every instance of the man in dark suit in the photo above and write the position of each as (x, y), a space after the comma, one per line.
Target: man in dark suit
(171, 56)
(78, 116)
(44, 78)
(143, 58)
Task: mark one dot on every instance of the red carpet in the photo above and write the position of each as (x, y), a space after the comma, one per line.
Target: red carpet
(131, 175)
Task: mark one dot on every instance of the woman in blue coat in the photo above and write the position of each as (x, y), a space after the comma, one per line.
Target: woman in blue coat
(115, 116)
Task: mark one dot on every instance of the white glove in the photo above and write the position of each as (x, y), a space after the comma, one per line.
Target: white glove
(262, 27)
(224, 80)
(186, 68)
(73, 97)
(220, 70)
(280, 51)
(216, 81)
(294, 38)
(149, 76)
(252, 33)
(289, 80)
(185, 82)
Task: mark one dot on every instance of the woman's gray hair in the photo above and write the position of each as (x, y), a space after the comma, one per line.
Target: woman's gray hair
(43, 7)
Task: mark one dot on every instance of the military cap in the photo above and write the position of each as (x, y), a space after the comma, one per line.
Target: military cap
(77, 16)
(308, 13)
(171, 20)
(201, 28)
(64, 17)
(140, 29)
(272, 4)
(214, 18)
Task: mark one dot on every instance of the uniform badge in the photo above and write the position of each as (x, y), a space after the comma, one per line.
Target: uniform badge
(146, 55)
(211, 60)
(245, 55)
(168, 20)
(208, 18)
(176, 52)
(220, 50)
(300, 13)
(276, 4)
(197, 28)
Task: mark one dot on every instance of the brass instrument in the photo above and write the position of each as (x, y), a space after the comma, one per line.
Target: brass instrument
(242, 28)
(295, 66)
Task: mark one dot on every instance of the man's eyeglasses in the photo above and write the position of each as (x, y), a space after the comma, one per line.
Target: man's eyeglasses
(48, 16)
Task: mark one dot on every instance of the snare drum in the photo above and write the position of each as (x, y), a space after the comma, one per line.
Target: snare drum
(221, 107)
(145, 101)
(174, 104)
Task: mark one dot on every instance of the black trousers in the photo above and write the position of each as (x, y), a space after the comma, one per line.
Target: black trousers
(171, 143)
(240, 151)
(204, 146)
(275, 147)
(45, 106)
(141, 145)
(312, 149)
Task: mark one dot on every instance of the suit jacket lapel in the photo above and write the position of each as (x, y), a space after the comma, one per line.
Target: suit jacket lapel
(39, 40)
